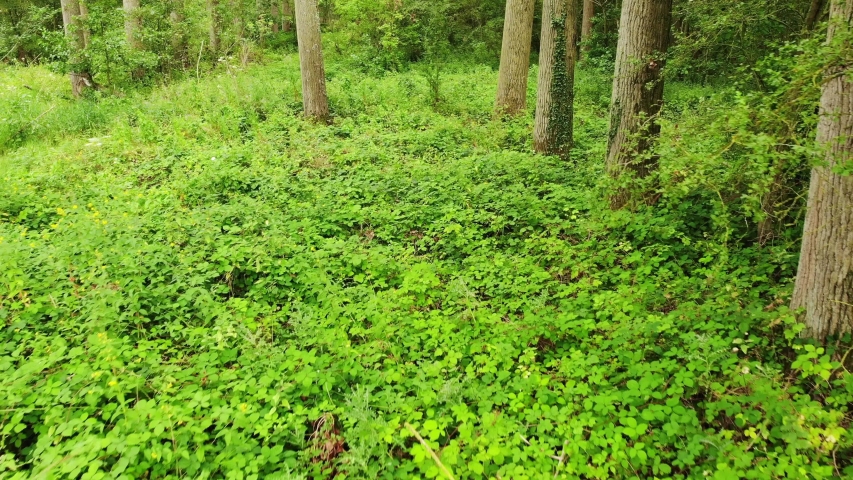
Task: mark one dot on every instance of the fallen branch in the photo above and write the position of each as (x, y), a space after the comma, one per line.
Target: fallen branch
(435, 458)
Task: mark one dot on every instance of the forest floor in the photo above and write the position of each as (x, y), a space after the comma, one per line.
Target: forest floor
(196, 282)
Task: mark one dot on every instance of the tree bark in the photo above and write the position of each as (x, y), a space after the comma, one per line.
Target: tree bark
(275, 13)
(515, 57)
(813, 16)
(286, 16)
(84, 14)
(215, 20)
(586, 25)
(179, 37)
(314, 100)
(824, 286)
(237, 20)
(132, 23)
(72, 20)
(552, 131)
(637, 89)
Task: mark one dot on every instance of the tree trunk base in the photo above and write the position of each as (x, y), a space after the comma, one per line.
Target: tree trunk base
(80, 82)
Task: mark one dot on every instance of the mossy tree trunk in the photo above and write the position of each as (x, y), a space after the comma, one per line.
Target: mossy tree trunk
(552, 131)
(73, 19)
(314, 100)
(515, 57)
(637, 89)
(586, 24)
(824, 287)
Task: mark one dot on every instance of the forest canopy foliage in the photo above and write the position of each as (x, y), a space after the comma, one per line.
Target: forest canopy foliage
(198, 281)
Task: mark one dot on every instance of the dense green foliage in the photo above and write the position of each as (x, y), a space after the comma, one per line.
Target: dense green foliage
(195, 282)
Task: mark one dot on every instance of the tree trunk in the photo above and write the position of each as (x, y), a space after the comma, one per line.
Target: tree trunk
(237, 20)
(132, 23)
(213, 12)
(515, 57)
(813, 16)
(637, 89)
(275, 13)
(586, 25)
(84, 14)
(824, 287)
(314, 100)
(286, 16)
(769, 226)
(179, 37)
(72, 16)
(552, 131)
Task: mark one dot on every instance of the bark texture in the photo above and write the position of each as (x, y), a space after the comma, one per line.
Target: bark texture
(637, 88)
(586, 25)
(553, 127)
(314, 100)
(215, 27)
(132, 23)
(72, 20)
(824, 287)
(813, 16)
(515, 57)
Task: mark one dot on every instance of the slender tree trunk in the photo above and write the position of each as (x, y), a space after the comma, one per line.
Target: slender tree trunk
(637, 88)
(215, 20)
(237, 19)
(286, 16)
(314, 100)
(515, 57)
(72, 20)
(87, 35)
(813, 16)
(552, 131)
(824, 287)
(586, 25)
(768, 228)
(179, 37)
(275, 13)
(132, 23)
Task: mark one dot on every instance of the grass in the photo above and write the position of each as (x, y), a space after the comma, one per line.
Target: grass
(195, 282)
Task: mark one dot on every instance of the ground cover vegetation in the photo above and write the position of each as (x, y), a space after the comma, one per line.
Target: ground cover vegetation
(198, 280)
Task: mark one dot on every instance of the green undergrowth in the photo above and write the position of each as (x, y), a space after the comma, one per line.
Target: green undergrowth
(197, 283)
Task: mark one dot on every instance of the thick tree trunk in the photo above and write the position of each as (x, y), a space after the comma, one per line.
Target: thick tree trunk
(72, 20)
(215, 20)
(132, 23)
(314, 100)
(637, 88)
(813, 16)
(552, 131)
(824, 287)
(586, 25)
(515, 57)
